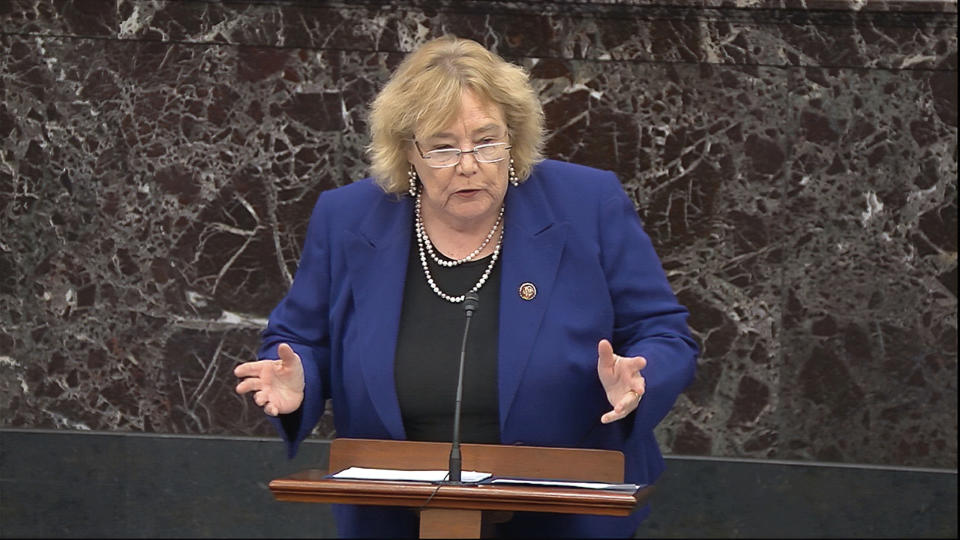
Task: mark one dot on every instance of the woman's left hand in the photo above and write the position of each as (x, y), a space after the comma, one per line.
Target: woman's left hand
(621, 379)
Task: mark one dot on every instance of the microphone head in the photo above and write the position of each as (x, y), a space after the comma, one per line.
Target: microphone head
(471, 302)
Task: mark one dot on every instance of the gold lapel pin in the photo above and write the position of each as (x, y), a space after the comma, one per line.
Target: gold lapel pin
(528, 291)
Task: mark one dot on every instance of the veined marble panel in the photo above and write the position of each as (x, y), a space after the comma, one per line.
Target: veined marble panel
(871, 296)
(156, 198)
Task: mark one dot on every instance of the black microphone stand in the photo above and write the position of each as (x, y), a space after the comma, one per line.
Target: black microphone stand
(471, 302)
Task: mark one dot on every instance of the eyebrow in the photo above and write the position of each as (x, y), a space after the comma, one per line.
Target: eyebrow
(487, 128)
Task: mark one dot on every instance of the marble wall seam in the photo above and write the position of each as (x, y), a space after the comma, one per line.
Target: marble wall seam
(335, 27)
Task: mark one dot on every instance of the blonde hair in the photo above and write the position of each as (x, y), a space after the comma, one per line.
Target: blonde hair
(424, 94)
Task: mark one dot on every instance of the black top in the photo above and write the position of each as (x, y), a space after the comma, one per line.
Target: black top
(428, 353)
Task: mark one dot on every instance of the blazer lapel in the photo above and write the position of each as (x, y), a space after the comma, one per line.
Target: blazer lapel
(532, 246)
(378, 266)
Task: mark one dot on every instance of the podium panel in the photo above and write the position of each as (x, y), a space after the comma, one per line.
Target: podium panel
(462, 511)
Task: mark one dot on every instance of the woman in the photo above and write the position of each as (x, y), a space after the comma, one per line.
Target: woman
(578, 340)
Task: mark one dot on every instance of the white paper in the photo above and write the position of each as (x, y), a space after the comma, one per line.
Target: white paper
(362, 473)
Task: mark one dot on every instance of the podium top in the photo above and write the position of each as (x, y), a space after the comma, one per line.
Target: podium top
(314, 485)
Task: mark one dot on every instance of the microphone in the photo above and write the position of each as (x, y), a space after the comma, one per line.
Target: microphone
(471, 302)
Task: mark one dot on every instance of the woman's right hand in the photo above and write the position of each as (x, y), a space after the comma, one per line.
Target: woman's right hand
(277, 385)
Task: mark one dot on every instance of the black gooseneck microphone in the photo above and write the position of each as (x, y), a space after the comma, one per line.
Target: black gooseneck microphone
(471, 302)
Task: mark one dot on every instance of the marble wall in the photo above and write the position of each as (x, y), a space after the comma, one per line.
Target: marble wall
(794, 162)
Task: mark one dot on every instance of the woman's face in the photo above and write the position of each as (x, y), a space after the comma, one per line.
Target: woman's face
(469, 193)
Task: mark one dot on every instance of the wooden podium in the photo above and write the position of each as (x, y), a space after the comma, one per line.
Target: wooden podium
(466, 511)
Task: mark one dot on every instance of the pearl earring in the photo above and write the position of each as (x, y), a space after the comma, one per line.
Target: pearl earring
(412, 176)
(513, 175)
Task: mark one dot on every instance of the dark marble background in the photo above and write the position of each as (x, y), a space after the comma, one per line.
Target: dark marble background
(795, 164)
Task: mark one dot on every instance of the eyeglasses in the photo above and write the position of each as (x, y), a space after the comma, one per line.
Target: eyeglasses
(449, 157)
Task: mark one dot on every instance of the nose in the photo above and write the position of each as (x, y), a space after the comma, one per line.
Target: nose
(468, 163)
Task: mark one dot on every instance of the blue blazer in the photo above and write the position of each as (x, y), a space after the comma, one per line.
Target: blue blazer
(572, 232)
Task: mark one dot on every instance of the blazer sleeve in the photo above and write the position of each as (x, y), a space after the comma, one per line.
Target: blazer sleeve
(301, 321)
(648, 319)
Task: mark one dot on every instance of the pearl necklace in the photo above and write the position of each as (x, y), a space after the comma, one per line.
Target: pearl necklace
(424, 245)
(450, 264)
